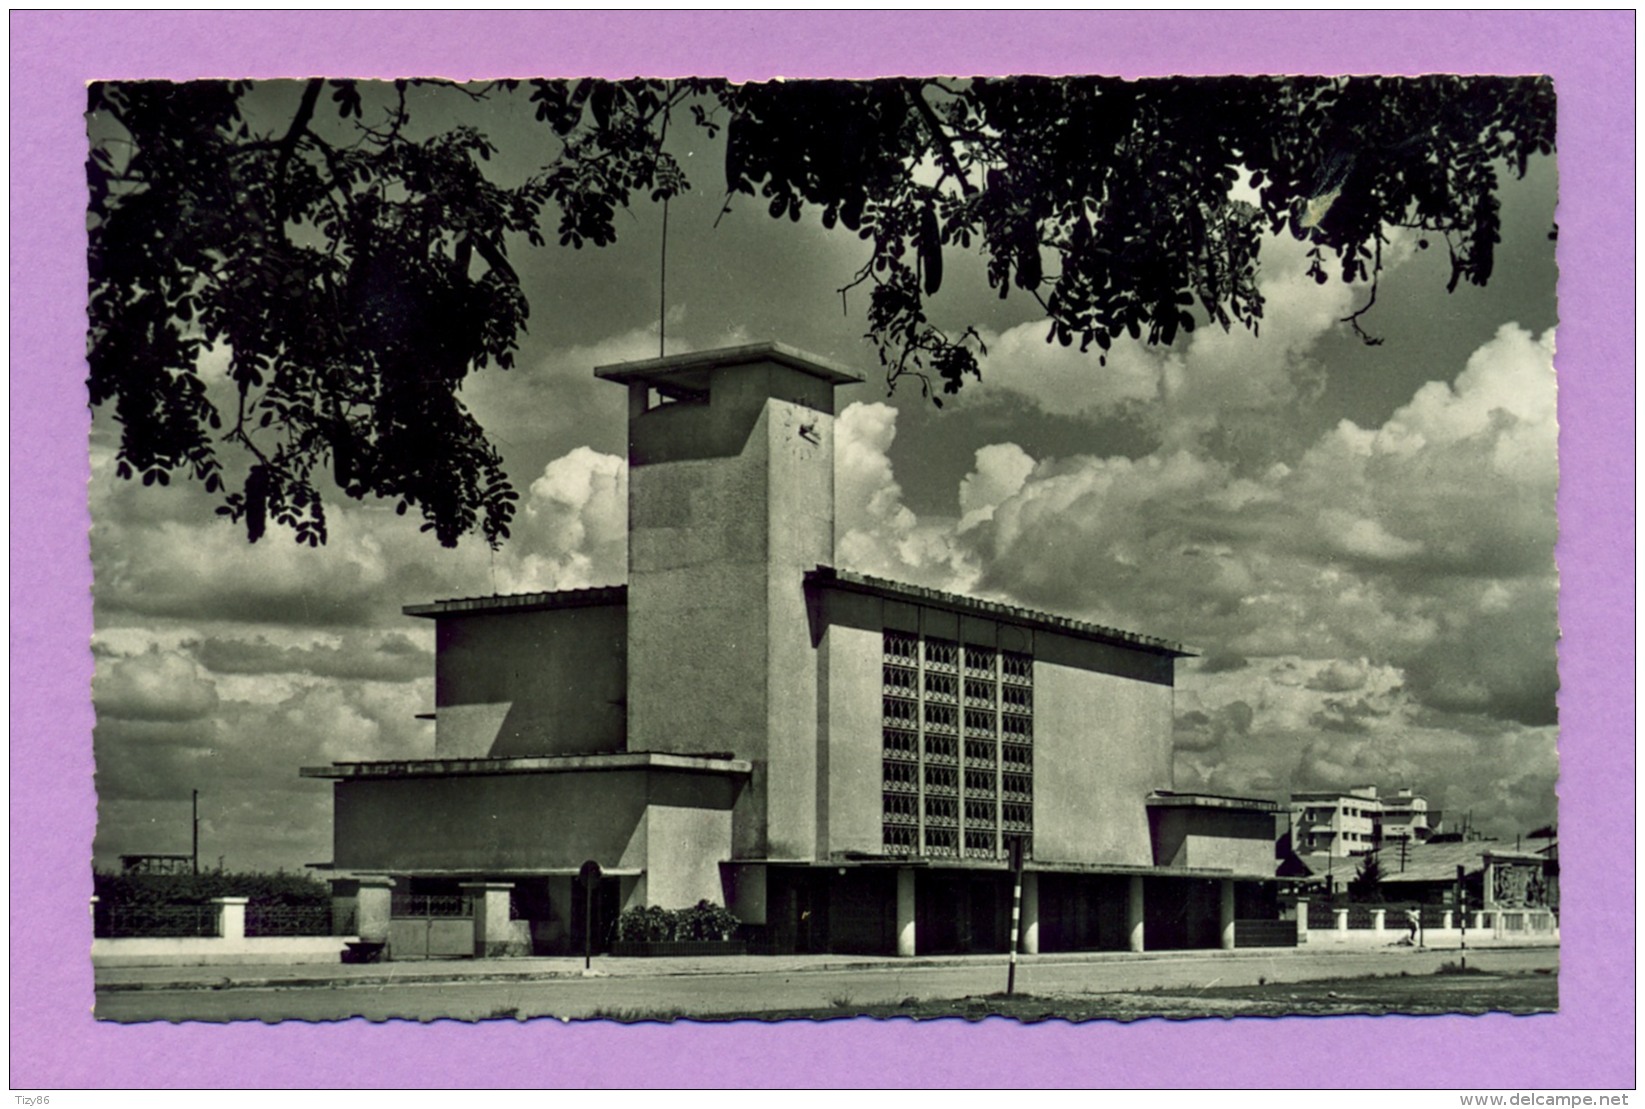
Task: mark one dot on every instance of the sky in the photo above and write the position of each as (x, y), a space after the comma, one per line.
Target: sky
(1357, 540)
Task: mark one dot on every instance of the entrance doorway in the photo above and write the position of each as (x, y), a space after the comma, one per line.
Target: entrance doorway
(960, 914)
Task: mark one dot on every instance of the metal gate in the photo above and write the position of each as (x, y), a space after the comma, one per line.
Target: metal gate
(431, 926)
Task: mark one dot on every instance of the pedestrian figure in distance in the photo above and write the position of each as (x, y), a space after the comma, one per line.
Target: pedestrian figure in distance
(1413, 919)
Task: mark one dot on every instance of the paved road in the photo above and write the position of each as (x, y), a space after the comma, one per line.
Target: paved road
(712, 993)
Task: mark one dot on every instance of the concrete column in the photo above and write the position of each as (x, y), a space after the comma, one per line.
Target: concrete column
(1133, 914)
(1476, 921)
(1488, 883)
(1030, 913)
(345, 906)
(493, 933)
(1225, 913)
(373, 907)
(1342, 920)
(1302, 920)
(906, 944)
(1445, 920)
(231, 917)
(1378, 919)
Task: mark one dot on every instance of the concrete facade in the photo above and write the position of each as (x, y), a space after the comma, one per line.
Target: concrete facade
(1199, 831)
(663, 816)
(743, 723)
(544, 674)
(717, 545)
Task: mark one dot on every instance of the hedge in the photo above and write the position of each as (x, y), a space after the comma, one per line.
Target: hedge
(652, 923)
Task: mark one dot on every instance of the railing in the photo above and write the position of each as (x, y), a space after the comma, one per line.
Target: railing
(160, 921)
(435, 904)
(287, 920)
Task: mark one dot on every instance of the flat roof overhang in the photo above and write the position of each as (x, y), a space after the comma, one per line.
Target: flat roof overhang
(690, 369)
(849, 581)
(479, 875)
(538, 764)
(1168, 799)
(881, 862)
(521, 602)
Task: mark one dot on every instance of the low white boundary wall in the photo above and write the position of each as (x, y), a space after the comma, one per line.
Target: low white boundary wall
(230, 947)
(1495, 927)
(213, 950)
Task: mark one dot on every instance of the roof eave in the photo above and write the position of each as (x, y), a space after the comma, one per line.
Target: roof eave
(593, 597)
(654, 369)
(829, 577)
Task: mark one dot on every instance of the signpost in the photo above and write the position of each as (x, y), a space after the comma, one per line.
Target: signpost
(589, 875)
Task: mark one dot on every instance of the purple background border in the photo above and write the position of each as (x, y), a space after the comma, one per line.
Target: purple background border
(55, 1044)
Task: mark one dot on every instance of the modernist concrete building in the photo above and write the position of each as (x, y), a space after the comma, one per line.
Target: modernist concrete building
(1356, 821)
(843, 761)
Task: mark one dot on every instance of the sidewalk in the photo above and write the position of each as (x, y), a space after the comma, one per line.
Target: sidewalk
(311, 975)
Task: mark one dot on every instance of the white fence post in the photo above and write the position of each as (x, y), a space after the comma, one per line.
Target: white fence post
(231, 917)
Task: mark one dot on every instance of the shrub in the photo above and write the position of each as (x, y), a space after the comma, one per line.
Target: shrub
(651, 923)
(705, 921)
(136, 891)
(654, 924)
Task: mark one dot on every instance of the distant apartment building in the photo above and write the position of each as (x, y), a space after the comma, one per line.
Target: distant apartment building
(1356, 821)
(1405, 816)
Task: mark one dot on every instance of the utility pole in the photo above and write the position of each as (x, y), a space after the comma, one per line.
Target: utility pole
(1462, 911)
(195, 853)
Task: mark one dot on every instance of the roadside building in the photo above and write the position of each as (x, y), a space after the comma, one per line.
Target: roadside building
(1337, 823)
(157, 864)
(842, 760)
(1404, 816)
(1496, 874)
(1347, 823)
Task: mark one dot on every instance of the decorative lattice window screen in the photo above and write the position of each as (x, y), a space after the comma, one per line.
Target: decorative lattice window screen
(958, 734)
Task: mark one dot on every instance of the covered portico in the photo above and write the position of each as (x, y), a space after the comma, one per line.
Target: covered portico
(931, 907)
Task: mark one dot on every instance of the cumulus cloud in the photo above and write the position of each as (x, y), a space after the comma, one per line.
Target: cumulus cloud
(572, 531)
(243, 757)
(1001, 471)
(161, 686)
(875, 532)
(193, 565)
(1357, 599)
(1199, 730)
(1461, 479)
(1212, 387)
(388, 657)
(1341, 676)
(1061, 381)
